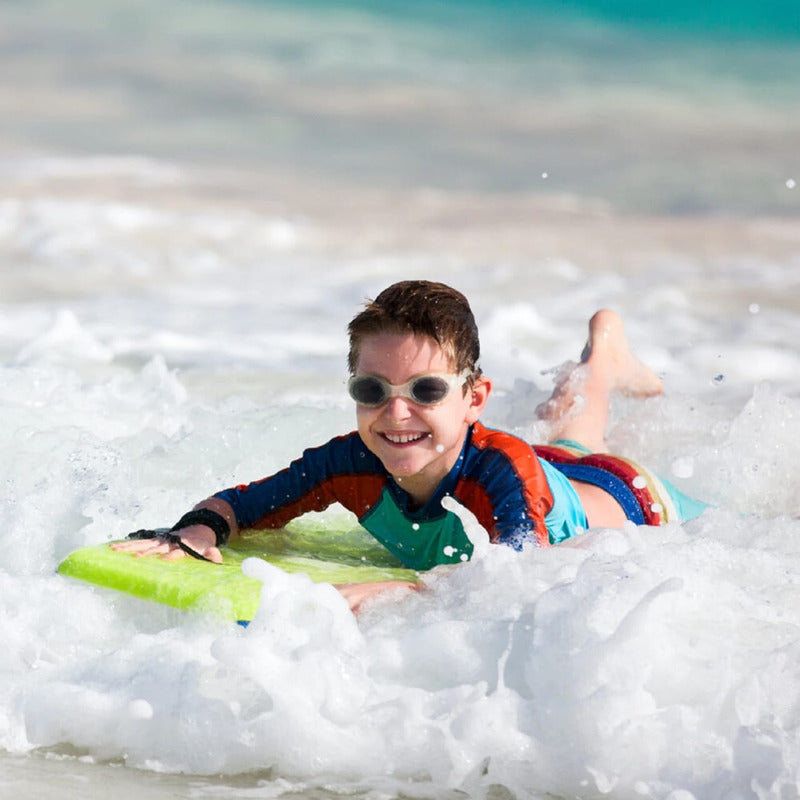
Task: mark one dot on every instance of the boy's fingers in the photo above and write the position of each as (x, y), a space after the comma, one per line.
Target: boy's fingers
(152, 547)
(211, 553)
(140, 546)
(174, 554)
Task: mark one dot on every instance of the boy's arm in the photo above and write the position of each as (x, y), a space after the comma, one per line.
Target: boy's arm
(342, 470)
(322, 476)
(357, 594)
(202, 539)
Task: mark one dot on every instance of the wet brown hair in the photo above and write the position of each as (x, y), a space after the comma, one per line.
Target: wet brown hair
(421, 308)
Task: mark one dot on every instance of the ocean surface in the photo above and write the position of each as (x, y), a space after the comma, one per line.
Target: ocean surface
(195, 200)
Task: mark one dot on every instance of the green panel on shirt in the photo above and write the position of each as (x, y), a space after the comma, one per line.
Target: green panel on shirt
(419, 544)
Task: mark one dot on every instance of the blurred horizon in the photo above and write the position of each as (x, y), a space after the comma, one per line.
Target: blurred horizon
(642, 107)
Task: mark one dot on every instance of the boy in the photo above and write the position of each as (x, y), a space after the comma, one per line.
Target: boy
(419, 394)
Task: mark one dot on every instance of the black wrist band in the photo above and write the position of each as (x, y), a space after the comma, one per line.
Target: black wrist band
(205, 516)
(148, 533)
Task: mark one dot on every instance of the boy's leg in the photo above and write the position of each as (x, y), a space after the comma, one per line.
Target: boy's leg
(579, 406)
(578, 409)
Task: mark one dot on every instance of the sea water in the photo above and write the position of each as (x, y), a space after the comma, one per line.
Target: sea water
(196, 197)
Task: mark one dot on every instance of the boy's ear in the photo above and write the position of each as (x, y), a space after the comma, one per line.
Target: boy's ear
(479, 394)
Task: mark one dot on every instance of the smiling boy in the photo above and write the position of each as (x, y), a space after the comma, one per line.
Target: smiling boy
(419, 393)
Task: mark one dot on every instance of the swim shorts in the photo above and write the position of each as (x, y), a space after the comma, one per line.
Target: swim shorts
(646, 498)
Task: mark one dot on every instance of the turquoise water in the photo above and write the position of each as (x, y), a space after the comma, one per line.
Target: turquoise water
(669, 110)
(741, 18)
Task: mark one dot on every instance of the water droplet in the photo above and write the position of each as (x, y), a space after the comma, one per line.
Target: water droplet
(140, 709)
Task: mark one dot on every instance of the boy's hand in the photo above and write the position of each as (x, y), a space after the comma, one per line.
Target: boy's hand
(200, 538)
(357, 594)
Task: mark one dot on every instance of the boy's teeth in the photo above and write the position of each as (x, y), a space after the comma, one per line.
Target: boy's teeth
(403, 438)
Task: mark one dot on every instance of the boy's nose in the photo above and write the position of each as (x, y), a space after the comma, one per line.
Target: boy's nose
(398, 408)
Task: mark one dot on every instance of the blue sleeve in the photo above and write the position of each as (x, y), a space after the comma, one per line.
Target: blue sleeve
(343, 471)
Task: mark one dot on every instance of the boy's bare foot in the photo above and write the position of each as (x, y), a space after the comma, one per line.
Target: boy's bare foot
(609, 354)
(579, 405)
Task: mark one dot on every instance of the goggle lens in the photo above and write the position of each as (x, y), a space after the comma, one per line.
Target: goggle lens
(368, 391)
(429, 390)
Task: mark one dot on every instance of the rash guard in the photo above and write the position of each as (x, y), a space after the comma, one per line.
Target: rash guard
(497, 476)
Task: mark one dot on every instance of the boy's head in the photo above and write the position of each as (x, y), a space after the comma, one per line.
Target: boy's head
(422, 308)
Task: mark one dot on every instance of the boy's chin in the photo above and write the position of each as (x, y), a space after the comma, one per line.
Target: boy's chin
(412, 473)
(404, 471)
(413, 464)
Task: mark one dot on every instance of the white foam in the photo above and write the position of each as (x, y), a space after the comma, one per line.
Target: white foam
(66, 339)
(641, 662)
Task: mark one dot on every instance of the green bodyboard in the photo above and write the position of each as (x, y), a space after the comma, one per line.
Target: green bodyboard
(326, 555)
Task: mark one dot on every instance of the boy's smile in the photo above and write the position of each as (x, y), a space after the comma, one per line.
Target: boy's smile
(417, 444)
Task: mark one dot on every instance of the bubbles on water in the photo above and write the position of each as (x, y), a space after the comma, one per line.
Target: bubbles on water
(562, 649)
(66, 340)
(554, 645)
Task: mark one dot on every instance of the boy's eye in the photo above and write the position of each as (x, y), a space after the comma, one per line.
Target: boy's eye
(429, 390)
(368, 391)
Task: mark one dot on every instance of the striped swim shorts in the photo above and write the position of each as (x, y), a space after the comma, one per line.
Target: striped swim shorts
(646, 498)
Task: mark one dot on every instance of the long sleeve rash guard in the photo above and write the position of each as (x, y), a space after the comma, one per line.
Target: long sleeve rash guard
(497, 476)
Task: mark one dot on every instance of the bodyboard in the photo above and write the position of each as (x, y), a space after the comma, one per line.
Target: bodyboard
(325, 554)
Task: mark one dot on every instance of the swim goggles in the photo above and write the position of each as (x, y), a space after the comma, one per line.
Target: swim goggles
(429, 389)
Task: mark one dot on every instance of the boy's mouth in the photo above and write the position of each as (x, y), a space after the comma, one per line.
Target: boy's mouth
(404, 438)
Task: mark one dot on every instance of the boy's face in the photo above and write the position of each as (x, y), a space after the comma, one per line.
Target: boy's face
(417, 444)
